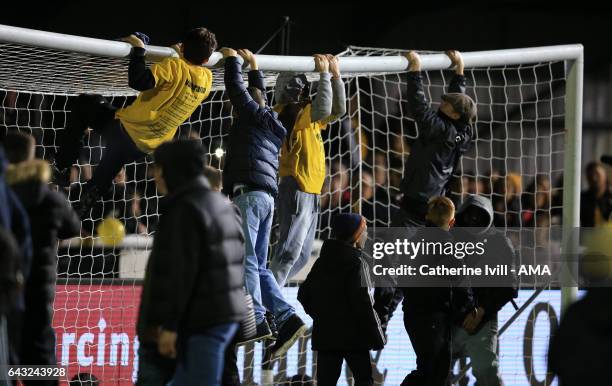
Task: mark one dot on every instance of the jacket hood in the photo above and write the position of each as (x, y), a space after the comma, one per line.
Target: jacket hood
(289, 86)
(29, 179)
(479, 202)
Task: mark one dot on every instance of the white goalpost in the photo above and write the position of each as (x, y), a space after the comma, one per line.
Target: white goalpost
(528, 130)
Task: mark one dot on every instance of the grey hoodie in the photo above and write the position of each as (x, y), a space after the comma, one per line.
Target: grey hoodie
(480, 202)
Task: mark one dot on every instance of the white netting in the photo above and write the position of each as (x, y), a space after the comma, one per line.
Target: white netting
(520, 138)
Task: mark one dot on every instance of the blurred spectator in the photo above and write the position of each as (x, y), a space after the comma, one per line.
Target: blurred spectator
(596, 201)
(51, 217)
(11, 283)
(556, 210)
(581, 346)
(14, 218)
(536, 201)
(334, 196)
(400, 150)
(372, 201)
(506, 201)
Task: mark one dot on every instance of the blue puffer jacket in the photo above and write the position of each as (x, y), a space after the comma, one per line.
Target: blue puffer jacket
(255, 138)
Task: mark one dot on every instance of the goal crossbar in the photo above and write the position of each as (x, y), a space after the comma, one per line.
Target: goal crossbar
(397, 63)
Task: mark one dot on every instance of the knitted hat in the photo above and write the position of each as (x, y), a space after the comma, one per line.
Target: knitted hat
(348, 227)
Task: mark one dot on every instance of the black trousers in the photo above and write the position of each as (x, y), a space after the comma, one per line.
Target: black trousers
(153, 368)
(37, 335)
(329, 366)
(430, 337)
(95, 112)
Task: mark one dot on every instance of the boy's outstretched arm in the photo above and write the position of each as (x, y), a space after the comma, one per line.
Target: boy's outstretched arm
(458, 82)
(139, 76)
(338, 93)
(417, 103)
(239, 96)
(256, 77)
(322, 103)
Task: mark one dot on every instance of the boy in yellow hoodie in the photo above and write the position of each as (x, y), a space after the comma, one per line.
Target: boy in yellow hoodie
(171, 90)
(302, 160)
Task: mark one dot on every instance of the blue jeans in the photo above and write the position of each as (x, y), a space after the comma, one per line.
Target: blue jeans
(257, 210)
(298, 214)
(200, 356)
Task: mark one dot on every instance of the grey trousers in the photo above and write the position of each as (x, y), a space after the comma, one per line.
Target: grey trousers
(482, 350)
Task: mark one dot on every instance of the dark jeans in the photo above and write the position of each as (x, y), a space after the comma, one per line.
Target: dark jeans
(153, 369)
(430, 337)
(37, 336)
(329, 366)
(95, 112)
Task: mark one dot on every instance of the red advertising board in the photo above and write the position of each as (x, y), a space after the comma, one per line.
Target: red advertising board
(95, 325)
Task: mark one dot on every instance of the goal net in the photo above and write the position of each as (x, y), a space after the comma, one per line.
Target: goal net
(517, 160)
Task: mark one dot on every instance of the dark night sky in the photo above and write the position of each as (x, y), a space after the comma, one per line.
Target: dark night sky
(320, 27)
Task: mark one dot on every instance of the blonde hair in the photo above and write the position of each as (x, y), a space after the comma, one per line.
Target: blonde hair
(440, 211)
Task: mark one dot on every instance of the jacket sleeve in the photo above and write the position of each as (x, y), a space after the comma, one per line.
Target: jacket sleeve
(182, 266)
(239, 97)
(322, 103)
(69, 223)
(457, 84)
(305, 296)
(495, 298)
(256, 79)
(431, 126)
(20, 227)
(361, 302)
(139, 76)
(338, 101)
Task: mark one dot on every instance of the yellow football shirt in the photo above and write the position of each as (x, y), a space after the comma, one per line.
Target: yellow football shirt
(157, 113)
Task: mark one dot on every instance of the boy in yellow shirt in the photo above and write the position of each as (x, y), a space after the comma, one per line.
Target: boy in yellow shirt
(302, 161)
(170, 92)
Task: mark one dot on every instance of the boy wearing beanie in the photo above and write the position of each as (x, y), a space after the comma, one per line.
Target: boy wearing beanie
(345, 326)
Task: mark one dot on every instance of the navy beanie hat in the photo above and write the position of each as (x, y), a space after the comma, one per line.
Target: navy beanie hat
(348, 227)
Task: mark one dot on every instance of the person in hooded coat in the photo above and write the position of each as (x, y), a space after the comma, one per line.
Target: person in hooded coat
(477, 336)
(51, 218)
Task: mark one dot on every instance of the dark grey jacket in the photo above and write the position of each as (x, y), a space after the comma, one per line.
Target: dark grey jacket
(194, 277)
(435, 153)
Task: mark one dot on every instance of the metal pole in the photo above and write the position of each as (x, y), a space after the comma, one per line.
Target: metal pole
(571, 178)
(398, 63)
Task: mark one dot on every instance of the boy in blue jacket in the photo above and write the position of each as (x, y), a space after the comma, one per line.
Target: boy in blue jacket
(250, 179)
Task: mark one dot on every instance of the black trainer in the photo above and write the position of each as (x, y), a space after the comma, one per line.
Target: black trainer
(61, 177)
(89, 196)
(263, 332)
(288, 334)
(272, 324)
